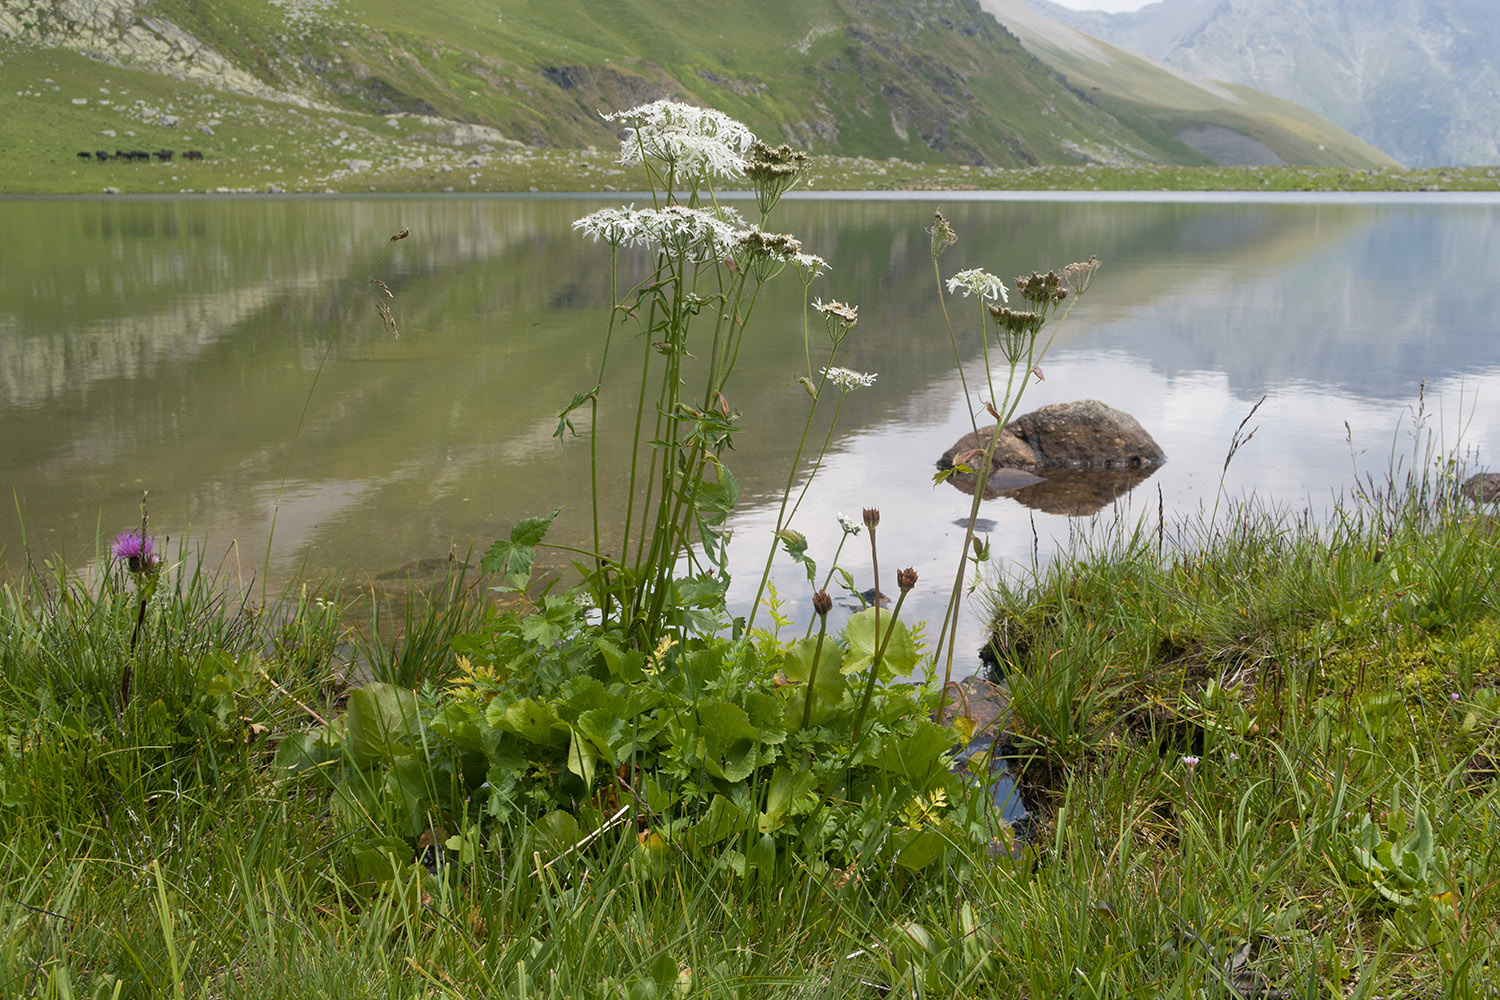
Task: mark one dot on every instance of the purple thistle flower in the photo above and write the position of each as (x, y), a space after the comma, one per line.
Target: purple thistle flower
(135, 550)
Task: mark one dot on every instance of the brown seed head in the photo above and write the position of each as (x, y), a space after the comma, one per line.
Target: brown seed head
(822, 603)
(943, 235)
(906, 579)
(872, 517)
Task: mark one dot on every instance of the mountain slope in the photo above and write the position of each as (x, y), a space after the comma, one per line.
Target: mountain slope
(365, 87)
(1232, 125)
(1419, 79)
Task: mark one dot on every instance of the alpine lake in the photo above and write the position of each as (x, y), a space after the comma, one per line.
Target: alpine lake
(225, 356)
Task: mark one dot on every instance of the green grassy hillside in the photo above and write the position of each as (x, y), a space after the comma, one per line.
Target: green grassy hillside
(308, 94)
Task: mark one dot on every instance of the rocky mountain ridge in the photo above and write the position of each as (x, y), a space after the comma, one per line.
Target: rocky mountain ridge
(1418, 79)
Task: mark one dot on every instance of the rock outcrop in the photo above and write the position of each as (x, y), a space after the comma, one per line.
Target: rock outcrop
(1066, 458)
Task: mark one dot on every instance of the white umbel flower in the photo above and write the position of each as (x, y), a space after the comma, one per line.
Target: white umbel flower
(846, 379)
(978, 282)
(695, 233)
(688, 137)
(617, 227)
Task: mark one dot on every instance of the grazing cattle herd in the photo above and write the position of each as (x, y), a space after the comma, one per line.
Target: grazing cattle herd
(137, 155)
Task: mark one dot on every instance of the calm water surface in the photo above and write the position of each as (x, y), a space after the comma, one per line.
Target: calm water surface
(172, 346)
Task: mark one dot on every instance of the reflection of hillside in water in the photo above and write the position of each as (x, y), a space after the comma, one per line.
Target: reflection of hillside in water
(1366, 300)
(171, 345)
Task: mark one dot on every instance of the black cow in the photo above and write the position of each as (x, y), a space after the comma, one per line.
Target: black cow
(192, 154)
(85, 155)
(101, 155)
(164, 155)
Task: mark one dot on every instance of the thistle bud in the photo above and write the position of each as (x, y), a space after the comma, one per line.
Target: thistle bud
(822, 603)
(906, 579)
(872, 517)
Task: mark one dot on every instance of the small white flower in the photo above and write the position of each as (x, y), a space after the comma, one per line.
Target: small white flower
(978, 282)
(847, 380)
(849, 524)
(811, 264)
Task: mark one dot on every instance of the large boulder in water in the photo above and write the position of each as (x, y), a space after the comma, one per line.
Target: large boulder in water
(1051, 458)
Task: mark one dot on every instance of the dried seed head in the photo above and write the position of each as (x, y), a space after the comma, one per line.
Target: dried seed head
(906, 579)
(872, 517)
(822, 603)
(943, 235)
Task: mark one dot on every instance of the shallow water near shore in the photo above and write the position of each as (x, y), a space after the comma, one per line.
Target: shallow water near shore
(171, 345)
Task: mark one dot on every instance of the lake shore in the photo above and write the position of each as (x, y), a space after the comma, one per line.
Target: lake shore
(587, 171)
(1260, 756)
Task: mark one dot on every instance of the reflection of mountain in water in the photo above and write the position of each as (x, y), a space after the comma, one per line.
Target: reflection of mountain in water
(171, 345)
(1368, 301)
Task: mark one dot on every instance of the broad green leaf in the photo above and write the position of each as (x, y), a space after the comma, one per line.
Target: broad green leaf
(900, 652)
(382, 721)
(628, 666)
(828, 684)
(729, 740)
(1425, 845)
(582, 756)
(557, 830)
(919, 848)
(786, 788)
(529, 720)
(721, 819)
(921, 757)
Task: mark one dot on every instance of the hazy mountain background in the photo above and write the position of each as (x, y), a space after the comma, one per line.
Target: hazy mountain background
(1418, 79)
(333, 85)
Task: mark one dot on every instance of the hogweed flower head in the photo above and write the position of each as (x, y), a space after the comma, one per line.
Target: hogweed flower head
(696, 233)
(1080, 274)
(811, 265)
(1017, 329)
(136, 550)
(617, 227)
(980, 283)
(763, 255)
(689, 139)
(849, 524)
(943, 235)
(1043, 291)
(773, 171)
(839, 317)
(848, 380)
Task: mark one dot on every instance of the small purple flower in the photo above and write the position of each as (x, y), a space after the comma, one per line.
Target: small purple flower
(1190, 762)
(1455, 697)
(136, 551)
(1234, 756)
